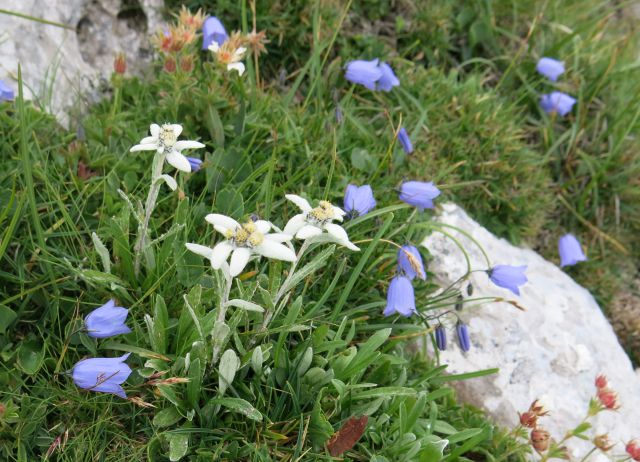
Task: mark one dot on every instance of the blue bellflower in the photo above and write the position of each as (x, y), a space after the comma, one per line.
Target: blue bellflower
(400, 297)
(388, 79)
(6, 93)
(463, 336)
(358, 200)
(195, 163)
(550, 68)
(570, 250)
(371, 74)
(419, 194)
(441, 337)
(557, 102)
(508, 277)
(405, 141)
(106, 321)
(213, 31)
(410, 262)
(102, 374)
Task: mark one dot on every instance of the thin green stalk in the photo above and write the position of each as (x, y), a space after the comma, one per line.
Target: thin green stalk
(150, 204)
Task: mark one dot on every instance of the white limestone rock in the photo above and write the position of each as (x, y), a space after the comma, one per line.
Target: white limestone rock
(554, 349)
(62, 67)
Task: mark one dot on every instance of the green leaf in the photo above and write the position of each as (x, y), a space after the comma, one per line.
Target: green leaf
(469, 375)
(195, 381)
(178, 445)
(229, 364)
(245, 305)
(102, 251)
(384, 391)
(230, 202)
(30, 357)
(362, 160)
(7, 316)
(111, 345)
(239, 405)
(464, 435)
(314, 265)
(256, 360)
(166, 417)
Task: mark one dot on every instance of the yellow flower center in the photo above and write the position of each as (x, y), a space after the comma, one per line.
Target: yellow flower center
(167, 136)
(321, 214)
(247, 235)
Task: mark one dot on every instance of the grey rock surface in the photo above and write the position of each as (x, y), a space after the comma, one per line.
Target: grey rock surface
(69, 64)
(553, 350)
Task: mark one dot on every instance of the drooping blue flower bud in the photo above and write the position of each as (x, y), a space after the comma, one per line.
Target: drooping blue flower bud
(365, 73)
(358, 200)
(410, 262)
(388, 80)
(373, 74)
(405, 141)
(550, 68)
(508, 277)
(419, 194)
(400, 297)
(213, 31)
(570, 250)
(441, 337)
(6, 93)
(195, 164)
(463, 336)
(102, 374)
(557, 102)
(106, 321)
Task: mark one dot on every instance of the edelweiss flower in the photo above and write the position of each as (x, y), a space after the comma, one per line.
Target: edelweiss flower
(244, 240)
(312, 221)
(165, 139)
(230, 53)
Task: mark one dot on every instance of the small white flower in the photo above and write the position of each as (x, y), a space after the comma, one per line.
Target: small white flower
(228, 56)
(243, 241)
(165, 139)
(313, 221)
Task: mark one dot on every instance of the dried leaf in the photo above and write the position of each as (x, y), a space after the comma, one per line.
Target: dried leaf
(84, 172)
(348, 435)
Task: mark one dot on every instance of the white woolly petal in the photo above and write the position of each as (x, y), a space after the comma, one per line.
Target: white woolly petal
(177, 129)
(222, 229)
(236, 67)
(299, 201)
(350, 245)
(171, 182)
(272, 249)
(220, 254)
(149, 140)
(338, 213)
(278, 237)
(154, 129)
(219, 220)
(186, 144)
(201, 250)
(308, 231)
(214, 47)
(263, 226)
(239, 259)
(144, 147)
(296, 222)
(240, 51)
(178, 161)
(337, 231)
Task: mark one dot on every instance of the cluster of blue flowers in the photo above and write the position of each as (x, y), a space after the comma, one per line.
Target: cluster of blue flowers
(556, 101)
(104, 374)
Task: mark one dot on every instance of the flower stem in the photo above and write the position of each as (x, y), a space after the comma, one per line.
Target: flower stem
(222, 310)
(150, 204)
(269, 314)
